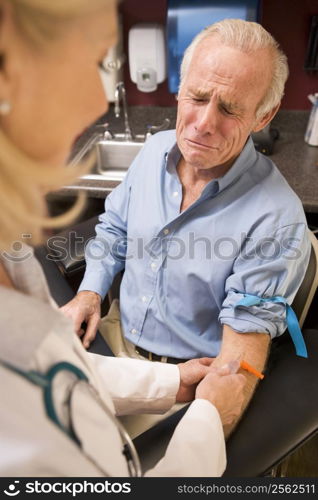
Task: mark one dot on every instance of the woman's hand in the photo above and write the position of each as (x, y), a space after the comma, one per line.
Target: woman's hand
(191, 373)
(225, 390)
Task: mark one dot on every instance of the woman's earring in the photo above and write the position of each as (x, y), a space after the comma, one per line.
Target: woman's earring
(5, 107)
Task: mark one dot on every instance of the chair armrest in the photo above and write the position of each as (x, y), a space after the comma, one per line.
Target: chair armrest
(281, 417)
(62, 293)
(68, 247)
(283, 413)
(60, 290)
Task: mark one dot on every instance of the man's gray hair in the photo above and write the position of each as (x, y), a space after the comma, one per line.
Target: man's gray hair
(247, 37)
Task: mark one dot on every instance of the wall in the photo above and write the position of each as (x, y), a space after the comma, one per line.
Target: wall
(287, 20)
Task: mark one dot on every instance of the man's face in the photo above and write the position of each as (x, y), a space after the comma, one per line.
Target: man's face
(218, 101)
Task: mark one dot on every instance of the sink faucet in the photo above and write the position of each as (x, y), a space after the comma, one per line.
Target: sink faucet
(120, 92)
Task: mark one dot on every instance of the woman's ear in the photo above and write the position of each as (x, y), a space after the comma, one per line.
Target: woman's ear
(7, 48)
(266, 119)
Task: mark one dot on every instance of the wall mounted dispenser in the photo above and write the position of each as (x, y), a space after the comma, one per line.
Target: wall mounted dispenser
(147, 55)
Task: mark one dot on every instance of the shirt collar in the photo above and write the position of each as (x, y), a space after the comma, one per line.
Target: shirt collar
(243, 162)
(172, 156)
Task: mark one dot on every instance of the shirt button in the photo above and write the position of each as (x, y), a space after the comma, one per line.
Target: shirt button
(166, 231)
(153, 266)
(144, 298)
(133, 331)
(175, 194)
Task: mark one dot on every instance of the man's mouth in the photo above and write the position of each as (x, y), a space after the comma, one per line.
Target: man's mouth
(200, 145)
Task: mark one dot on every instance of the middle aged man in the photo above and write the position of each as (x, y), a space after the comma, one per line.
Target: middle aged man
(201, 219)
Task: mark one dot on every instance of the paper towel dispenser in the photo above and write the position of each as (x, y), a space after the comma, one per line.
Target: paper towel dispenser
(186, 18)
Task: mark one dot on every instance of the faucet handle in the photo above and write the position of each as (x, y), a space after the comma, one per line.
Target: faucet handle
(152, 129)
(103, 126)
(107, 134)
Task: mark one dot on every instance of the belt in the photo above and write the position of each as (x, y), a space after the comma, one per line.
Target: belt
(155, 357)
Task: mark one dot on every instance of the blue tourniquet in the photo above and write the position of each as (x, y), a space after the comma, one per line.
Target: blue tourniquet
(291, 318)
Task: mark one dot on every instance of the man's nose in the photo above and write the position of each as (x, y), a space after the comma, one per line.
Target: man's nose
(206, 122)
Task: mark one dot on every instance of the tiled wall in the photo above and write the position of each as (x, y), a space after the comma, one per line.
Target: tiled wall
(287, 20)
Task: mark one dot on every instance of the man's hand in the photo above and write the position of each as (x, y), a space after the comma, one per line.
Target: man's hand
(191, 373)
(225, 391)
(84, 307)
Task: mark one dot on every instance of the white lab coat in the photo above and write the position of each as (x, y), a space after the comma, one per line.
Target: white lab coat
(35, 336)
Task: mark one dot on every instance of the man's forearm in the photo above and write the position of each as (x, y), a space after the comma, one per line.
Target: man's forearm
(101, 270)
(253, 348)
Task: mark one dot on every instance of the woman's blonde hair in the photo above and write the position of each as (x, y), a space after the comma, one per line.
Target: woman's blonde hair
(248, 37)
(24, 181)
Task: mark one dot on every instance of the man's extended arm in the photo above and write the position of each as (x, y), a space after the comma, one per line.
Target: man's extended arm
(248, 329)
(253, 348)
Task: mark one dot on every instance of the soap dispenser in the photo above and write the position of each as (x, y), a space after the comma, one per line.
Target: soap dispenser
(147, 55)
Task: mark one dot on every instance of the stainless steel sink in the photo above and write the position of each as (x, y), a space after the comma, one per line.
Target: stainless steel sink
(114, 156)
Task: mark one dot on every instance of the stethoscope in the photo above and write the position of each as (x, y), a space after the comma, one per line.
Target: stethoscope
(45, 382)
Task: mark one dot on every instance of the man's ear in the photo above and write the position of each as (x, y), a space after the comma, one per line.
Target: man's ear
(265, 119)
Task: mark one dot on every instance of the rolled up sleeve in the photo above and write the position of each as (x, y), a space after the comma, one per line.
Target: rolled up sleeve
(267, 266)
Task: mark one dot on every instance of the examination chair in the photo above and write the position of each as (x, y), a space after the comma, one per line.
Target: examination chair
(283, 413)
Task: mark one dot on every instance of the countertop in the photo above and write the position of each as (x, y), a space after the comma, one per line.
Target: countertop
(297, 161)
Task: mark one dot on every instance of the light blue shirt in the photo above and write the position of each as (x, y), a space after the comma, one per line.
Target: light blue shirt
(185, 272)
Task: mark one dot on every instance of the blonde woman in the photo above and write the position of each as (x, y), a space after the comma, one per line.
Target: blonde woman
(58, 402)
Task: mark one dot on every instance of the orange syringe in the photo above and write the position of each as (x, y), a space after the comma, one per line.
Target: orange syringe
(249, 368)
